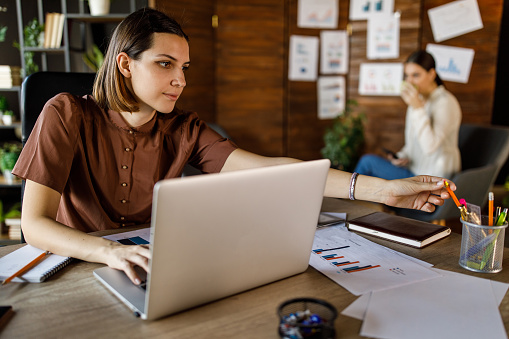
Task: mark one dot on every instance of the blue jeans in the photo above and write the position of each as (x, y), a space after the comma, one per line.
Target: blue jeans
(376, 166)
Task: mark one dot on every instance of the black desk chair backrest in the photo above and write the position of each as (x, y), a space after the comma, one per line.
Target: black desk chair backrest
(38, 88)
(484, 150)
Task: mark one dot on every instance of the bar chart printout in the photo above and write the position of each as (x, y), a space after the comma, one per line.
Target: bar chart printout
(137, 237)
(360, 265)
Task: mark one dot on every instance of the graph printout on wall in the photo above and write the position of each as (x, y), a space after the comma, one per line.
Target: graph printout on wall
(331, 96)
(334, 52)
(452, 63)
(318, 13)
(303, 64)
(380, 79)
(363, 9)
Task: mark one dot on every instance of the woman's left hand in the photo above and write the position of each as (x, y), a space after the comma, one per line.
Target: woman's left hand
(422, 192)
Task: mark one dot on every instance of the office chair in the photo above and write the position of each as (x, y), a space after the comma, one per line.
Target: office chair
(484, 150)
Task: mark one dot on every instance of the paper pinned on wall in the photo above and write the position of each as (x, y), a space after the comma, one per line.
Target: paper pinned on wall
(331, 96)
(454, 19)
(383, 36)
(334, 52)
(318, 13)
(380, 79)
(363, 9)
(303, 63)
(452, 63)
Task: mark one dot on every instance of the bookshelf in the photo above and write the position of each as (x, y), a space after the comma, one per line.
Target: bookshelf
(82, 19)
(75, 22)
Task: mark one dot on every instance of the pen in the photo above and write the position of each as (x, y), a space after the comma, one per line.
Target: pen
(451, 193)
(490, 208)
(462, 208)
(26, 267)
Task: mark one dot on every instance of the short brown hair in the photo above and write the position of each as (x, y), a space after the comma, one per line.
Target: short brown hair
(133, 35)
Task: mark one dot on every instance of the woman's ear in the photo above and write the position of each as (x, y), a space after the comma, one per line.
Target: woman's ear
(123, 61)
(433, 74)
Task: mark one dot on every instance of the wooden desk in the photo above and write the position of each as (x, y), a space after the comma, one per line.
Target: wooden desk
(73, 303)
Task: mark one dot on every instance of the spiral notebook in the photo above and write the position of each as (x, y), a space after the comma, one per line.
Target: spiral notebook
(14, 261)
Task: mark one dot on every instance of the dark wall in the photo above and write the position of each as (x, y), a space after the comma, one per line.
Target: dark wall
(501, 102)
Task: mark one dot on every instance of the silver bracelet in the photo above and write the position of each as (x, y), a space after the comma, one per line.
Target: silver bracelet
(353, 180)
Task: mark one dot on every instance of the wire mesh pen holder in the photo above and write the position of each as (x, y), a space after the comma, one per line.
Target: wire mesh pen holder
(307, 318)
(482, 246)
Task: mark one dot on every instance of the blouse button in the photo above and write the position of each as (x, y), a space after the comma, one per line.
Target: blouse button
(124, 167)
(123, 201)
(122, 218)
(131, 132)
(123, 225)
(124, 184)
(127, 149)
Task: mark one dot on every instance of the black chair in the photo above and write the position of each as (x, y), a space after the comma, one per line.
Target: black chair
(38, 88)
(484, 150)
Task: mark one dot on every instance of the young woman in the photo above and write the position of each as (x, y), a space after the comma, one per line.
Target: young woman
(91, 163)
(431, 128)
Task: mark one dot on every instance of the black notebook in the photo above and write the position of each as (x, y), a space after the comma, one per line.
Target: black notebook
(406, 231)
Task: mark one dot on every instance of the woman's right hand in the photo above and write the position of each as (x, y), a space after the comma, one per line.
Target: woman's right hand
(125, 257)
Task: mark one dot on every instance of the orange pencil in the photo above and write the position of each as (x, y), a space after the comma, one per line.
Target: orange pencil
(491, 197)
(451, 193)
(26, 267)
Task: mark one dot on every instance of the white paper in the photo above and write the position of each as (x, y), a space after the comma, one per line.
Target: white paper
(454, 19)
(303, 63)
(452, 306)
(379, 267)
(358, 308)
(452, 63)
(383, 37)
(331, 96)
(318, 13)
(363, 9)
(334, 52)
(380, 78)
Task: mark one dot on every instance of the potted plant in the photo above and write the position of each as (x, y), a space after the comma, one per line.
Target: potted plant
(93, 58)
(99, 7)
(33, 38)
(345, 138)
(7, 117)
(9, 154)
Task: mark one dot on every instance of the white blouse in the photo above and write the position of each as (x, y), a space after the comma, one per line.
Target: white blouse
(431, 135)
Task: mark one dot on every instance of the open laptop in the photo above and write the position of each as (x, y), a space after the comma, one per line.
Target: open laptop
(220, 234)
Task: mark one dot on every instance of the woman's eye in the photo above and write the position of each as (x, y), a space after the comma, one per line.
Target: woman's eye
(185, 68)
(165, 63)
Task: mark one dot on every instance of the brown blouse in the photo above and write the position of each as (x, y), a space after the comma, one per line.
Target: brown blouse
(106, 170)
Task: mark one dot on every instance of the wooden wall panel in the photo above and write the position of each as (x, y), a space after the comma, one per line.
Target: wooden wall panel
(250, 59)
(195, 16)
(239, 72)
(385, 114)
(476, 97)
(304, 130)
